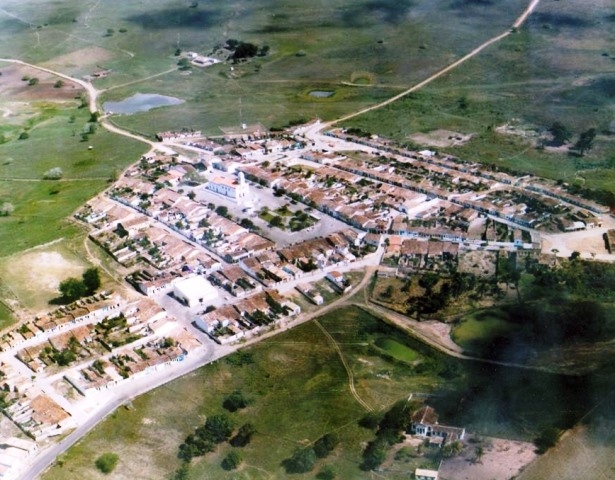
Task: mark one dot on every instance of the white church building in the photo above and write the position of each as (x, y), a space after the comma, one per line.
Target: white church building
(230, 187)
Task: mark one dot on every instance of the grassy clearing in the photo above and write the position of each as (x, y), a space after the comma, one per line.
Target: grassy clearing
(315, 54)
(34, 276)
(41, 205)
(397, 350)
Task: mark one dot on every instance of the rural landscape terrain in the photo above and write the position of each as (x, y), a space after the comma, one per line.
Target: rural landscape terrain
(333, 240)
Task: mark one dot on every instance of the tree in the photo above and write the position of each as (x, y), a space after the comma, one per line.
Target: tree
(585, 141)
(560, 134)
(232, 460)
(91, 280)
(72, 289)
(370, 420)
(243, 436)
(182, 472)
(276, 221)
(374, 454)
(326, 444)
(107, 462)
(23, 136)
(58, 84)
(219, 427)
(33, 81)
(236, 401)
(326, 473)
(247, 223)
(222, 211)
(302, 461)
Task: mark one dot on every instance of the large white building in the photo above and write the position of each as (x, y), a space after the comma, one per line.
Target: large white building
(194, 291)
(229, 187)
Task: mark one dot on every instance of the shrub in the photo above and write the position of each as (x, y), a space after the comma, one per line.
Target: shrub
(107, 462)
(232, 460)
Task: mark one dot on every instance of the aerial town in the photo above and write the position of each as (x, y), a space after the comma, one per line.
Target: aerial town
(332, 240)
(225, 244)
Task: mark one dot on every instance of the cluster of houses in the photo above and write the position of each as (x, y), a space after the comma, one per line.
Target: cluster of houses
(65, 318)
(415, 254)
(131, 362)
(40, 417)
(249, 316)
(543, 186)
(94, 334)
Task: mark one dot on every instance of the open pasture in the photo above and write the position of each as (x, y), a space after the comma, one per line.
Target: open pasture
(382, 47)
(557, 67)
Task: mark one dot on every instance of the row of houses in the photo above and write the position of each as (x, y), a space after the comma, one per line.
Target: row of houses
(96, 335)
(130, 363)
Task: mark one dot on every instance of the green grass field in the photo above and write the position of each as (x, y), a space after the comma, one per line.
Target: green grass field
(397, 350)
(42, 205)
(554, 69)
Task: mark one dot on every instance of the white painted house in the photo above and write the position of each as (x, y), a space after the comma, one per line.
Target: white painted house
(229, 187)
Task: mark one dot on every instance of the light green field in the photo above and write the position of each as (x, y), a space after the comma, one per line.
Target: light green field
(397, 350)
(42, 205)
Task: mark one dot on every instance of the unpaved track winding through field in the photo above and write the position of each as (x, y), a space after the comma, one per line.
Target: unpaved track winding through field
(520, 20)
(346, 366)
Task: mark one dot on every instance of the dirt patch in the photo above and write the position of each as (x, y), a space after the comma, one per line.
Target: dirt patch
(13, 85)
(79, 58)
(34, 277)
(440, 138)
(501, 459)
(478, 262)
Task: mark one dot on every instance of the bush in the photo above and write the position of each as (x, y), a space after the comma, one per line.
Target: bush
(302, 461)
(326, 444)
(232, 461)
(235, 401)
(243, 436)
(107, 462)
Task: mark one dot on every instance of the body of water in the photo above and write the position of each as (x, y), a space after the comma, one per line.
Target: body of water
(140, 102)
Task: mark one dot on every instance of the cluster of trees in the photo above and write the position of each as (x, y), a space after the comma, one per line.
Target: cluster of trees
(244, 50)
(217, 429)
(561, 134)
(74, 288)
(435, 299)
(304, 460)
(390, 429)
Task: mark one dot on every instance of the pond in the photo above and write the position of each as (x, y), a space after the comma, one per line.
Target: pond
(321, 93)
(140, 102)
